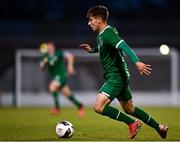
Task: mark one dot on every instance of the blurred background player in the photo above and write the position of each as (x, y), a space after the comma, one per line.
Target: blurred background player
(111, 47)
(54, 59)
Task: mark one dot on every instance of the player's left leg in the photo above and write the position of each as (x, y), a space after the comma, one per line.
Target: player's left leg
(66, 91)
(129, 108)
(53, 88)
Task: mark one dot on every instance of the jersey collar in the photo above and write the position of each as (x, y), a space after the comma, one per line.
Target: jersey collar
(104, 29)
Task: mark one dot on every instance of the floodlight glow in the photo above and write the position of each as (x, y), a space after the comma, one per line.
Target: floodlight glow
(164, 49)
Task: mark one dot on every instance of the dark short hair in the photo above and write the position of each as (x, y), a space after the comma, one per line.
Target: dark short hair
(51, 42)
(98, 11)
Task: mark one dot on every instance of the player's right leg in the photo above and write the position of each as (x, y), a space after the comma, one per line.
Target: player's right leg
(102, 106)
(129, 108)
(53, 88)
(163, 129)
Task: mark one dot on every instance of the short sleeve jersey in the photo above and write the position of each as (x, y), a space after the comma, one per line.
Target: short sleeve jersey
(56, 65)
(111, 58)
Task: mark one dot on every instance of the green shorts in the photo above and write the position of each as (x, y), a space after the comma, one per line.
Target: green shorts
(114, 89)
(61, 80)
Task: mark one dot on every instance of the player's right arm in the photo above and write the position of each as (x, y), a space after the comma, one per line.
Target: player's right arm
(43, 63)
(88, 48)
(44, 59)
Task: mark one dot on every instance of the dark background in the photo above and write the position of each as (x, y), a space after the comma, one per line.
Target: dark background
(25, 24)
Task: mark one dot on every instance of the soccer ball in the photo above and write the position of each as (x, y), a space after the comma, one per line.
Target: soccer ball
(64, 129)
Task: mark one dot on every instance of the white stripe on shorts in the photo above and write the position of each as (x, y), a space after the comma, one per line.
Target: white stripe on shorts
(105, 94)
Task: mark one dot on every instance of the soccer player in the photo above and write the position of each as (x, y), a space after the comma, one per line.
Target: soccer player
(111, 47)
(54, 59)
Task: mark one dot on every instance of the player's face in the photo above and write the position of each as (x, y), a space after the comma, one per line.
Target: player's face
(94, 23)
(50, 48)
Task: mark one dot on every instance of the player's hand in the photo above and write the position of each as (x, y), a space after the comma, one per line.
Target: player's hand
(42, 66)
(71, 70)
(144, 68)
(85, 47)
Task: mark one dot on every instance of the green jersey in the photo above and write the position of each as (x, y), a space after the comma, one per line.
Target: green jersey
(56, 65)
(110, 47)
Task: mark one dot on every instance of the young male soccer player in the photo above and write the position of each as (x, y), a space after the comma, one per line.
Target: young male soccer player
(54, 59)
(111, 47)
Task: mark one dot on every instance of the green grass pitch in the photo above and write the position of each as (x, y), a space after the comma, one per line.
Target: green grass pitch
(37, 124)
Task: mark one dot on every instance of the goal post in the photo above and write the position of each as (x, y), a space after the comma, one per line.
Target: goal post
(89, 70)
(18, 71)
(174, 77)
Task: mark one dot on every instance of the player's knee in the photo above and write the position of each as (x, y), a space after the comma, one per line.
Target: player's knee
(52, 88)
(129, 110)
(66, 92)
(97, 108)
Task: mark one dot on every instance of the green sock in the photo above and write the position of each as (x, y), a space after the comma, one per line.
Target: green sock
(116, 115)
(74, 101)
(146, 118)
(56, 99)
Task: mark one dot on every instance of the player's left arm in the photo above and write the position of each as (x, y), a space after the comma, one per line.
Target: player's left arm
(70, 62)
(142, 68)
(120, 44)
